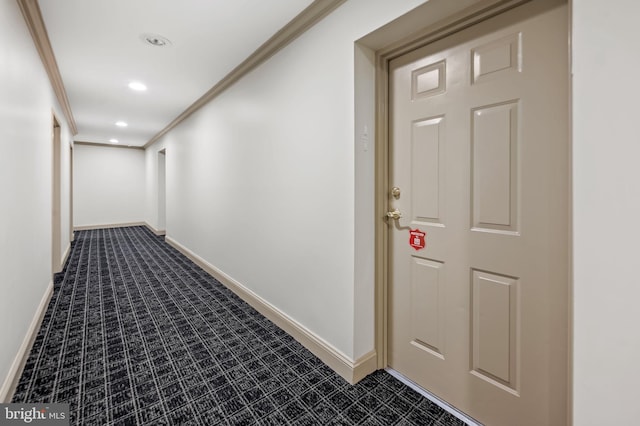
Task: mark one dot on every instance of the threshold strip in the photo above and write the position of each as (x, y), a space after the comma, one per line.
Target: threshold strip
(431, 397)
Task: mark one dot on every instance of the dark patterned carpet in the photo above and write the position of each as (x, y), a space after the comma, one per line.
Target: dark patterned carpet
(138, 334)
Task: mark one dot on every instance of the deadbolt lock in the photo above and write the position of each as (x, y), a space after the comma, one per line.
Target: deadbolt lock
(395, 192)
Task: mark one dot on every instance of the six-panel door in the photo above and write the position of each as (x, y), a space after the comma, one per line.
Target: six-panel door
(479, 149)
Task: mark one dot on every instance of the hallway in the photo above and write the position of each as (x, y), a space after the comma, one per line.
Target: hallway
(275, 182)
(135, 333)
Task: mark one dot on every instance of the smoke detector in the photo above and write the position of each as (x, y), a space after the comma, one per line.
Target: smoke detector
(155, 40)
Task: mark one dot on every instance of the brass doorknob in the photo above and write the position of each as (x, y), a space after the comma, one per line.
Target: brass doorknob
(394, 214)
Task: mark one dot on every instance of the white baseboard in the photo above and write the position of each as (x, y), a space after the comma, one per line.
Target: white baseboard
(365, 365)
(67, 251)
(11, 381)
(158, 232)
(120, 225)
(351, 371)
(108, 225)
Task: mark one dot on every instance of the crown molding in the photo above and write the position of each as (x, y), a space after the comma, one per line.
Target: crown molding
(107, 145)
(296, 27)
(33, 17)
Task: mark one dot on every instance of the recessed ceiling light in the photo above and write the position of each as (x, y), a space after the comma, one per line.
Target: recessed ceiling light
(155, 40)
(121, 124)
(113, 140)
(137, 86)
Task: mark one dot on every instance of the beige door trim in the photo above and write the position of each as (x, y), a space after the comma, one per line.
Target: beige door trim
(397, 45)
(56, 192)
(71, 235)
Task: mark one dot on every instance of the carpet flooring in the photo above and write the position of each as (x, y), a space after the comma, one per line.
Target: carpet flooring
(137, 334)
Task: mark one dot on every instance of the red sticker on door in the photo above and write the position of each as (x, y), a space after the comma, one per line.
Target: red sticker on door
(417, 239)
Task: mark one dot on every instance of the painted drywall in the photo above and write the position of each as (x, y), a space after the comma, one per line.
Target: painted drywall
(255, 131)
(27, 103)
(606, 182)
(260, 182)
(109, 185)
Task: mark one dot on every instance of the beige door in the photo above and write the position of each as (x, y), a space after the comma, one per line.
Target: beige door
(479, 153)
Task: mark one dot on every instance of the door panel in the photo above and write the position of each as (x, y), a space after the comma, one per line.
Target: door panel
(478, 148)
(426, 315)
(494, 161)
(426, 148)
(495, 328)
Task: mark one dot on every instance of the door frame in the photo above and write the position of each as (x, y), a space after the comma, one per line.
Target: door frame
(161, 187)
(56, 196)
(403, 36)
(71, 233)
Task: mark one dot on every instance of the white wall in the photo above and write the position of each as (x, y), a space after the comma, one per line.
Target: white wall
(261, 185)
(109, 185)
(261, 181)
(26, 105)
(606, 150)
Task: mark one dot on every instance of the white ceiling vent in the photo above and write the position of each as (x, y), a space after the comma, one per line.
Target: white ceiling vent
(155, 40)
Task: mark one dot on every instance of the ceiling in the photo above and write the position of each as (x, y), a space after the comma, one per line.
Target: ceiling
(100, 48)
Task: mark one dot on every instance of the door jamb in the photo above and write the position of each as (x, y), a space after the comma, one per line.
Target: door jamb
(56, 202)
(161, 181)
(71, 233)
